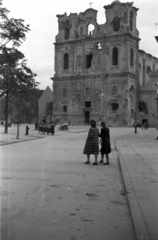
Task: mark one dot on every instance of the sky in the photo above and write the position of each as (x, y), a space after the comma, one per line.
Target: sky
(38, 47)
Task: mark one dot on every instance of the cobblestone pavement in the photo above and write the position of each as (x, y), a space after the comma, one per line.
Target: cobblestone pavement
(138, 156)
(48, 193)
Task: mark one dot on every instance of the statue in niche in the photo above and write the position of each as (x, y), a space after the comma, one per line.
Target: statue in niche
(79, 59)
(87, 92)
(97, 97)
(98, 61)
(156, 84)
(78, 97)
(114, 90)
(106, 49)
(73, 101)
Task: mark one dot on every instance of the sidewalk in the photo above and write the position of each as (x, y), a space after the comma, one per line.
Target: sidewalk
(138, 158)
(10, 137)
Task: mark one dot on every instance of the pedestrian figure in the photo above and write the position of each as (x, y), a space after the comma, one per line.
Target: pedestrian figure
(105, 143)
(92, 143)
(27, 129)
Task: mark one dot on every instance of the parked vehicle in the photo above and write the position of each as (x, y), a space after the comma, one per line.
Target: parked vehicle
(64, 127)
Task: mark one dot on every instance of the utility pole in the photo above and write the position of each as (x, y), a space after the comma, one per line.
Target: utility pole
(156, 84)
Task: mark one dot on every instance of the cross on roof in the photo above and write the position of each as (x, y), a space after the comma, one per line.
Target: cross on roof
(90, 3)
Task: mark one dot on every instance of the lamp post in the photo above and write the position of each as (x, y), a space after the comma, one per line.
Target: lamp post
(136, 107)
(156, 84)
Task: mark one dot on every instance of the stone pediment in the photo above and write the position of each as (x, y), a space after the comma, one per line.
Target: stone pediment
(89, 13)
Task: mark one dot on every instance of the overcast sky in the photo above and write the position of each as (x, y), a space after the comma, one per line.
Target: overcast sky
(41, 16)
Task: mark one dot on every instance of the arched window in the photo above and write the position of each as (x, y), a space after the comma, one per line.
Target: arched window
(116, 24)
(66, 61)
(81, 31)
(115, 56)
(64, 93)
(90, 29)
(67, 33)
(89, 58)
(148, 70)
(131, 21)
(132, 57)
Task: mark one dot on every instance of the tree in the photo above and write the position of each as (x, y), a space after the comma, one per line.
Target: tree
(13, 30)
(15, 76)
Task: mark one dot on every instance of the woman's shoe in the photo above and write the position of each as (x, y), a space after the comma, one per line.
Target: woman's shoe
(87, 162)
(101, 161)
(95, 163)
(107, 163)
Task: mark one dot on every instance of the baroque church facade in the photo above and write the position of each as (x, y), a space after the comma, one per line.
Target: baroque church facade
(100, 72)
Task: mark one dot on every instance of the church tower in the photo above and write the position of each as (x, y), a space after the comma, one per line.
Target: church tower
(96, 66)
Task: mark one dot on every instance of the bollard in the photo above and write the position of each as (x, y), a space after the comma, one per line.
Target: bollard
(135, 126)
(27, 130)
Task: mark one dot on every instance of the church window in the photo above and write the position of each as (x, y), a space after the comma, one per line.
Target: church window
(81, 31)
(140, 67)
(115, 56)
(67, 33)
(66, 61)
(148, 70)
(64, 108)
(142, 107)
(131, 21)
(64, 93)
(87, 104)
(89, 58)
(116, 24)
(132, 57)
(115, 106)
(90, 29)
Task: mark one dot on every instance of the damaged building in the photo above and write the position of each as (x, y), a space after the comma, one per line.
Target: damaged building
(100, 72)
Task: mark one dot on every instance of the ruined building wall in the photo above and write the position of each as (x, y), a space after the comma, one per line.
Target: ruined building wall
(147, 65)
(96, 72)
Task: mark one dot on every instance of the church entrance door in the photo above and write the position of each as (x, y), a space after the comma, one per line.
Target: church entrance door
(86, 117)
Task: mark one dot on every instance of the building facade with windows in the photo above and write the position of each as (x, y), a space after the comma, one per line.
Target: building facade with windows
(99, 69)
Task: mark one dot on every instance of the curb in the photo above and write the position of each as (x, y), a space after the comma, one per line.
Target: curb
(138, 224)
(22, 140)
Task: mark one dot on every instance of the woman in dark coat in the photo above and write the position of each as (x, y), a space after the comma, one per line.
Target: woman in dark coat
(92, 143)
(105, 143)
